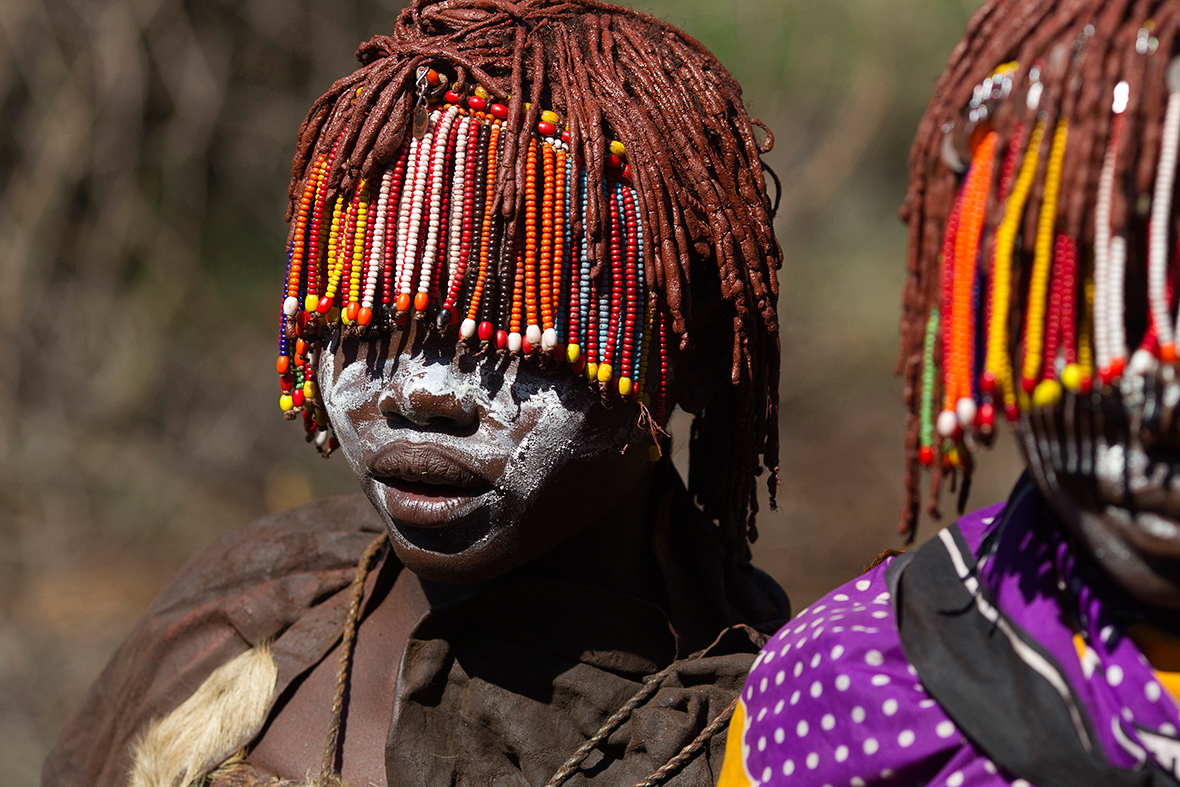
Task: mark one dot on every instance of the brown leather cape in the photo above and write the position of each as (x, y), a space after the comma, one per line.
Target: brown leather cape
(498, 688)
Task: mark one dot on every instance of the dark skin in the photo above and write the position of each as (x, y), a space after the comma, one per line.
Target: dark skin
(559, 477)
(1108, 465)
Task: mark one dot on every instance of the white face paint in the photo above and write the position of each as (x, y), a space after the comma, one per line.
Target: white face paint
(478, 463)
(1110, 464)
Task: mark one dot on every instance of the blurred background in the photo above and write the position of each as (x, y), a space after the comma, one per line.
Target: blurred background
(145, 147)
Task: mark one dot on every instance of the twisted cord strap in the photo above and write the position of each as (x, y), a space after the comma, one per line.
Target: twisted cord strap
(651, 685)
(328, 775)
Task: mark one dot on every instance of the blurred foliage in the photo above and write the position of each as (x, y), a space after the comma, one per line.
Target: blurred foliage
(144, 158)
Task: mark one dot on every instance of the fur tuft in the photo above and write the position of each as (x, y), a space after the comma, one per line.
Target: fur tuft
(216, 721)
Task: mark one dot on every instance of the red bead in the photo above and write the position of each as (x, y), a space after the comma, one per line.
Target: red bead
(454, 318)
(485, 331)
(1087, 385)
(985, 417)
(525, 347)
(452, 97)
(333, 443)
(501, 339)
(926, 455)
(1028, 384)
(477, 103)
(282, 364)
(324, 305)
(499, 111)
(987, 381)
(297, 397)
(1012, 411)
(287, 383)
(546, 129)
(1117, 367)
(403, 302)
(301, 323)
(421, 301)
(565, 137)
(627, 175)
(613, 161)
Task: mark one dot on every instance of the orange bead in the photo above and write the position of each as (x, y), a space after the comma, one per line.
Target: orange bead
(364, 316)
(403, 302)
(421, 301)
(352, 311)
(300, 347)
(283, 364)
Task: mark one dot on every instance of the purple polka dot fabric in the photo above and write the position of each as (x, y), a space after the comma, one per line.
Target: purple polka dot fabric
(832, 701)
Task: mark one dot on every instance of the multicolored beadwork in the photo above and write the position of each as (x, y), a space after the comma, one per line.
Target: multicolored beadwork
(426, 240)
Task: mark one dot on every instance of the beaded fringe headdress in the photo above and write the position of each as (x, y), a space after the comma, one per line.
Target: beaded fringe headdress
(1042, 222)
(573, 182)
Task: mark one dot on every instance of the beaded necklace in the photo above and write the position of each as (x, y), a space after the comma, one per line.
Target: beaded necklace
(426, 239)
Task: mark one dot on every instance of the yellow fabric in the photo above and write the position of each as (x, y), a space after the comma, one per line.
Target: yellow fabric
(733, 768)
(1161, 649)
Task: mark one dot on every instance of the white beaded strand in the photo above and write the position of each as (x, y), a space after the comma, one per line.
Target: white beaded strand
(409, 264)
(437, 170)
(458, 184)
(377, 251)
(403, 213)
(1102, 211)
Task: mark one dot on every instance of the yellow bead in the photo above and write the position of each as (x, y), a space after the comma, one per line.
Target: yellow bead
(286, 403)
(653, 453)
(310, 389)
(334, 314)
(624, 386)
(310, 302)
(591, 371)
(1071, 377)
(1047, 394)
(953, 458)
(604, 372)
(479, 91)
(549, 116)
(617, 148)
(573, 352)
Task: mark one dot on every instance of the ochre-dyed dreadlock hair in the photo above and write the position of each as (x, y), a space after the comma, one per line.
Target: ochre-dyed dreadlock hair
(597, 169)
(1042, 221)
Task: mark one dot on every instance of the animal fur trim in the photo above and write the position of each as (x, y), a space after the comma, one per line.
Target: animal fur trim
(216, 721)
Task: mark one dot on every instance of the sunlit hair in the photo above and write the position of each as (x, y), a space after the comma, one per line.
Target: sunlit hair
(620, 201)
(1042, 223)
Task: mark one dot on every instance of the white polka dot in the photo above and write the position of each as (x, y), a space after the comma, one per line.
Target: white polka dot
(989, 766)
(840, 597)
(800, 627)
(871, 746)
(769, 655)
(1168, 729)
(874, 657)
(1114, 674)
(863, 585)
(798, 668)
(1020, 783)
(890, 707)
(841, 753)
(1128, 715)
(785, 650)
(880, 614)
(926, 704)
(954, 780)
(1151, 691)
(795, 697)
(945, 729)
(837, 629)
(812, 760)
(779, 734)
(788, 768)
(817, 633)
(762, 713)
(906, 738)
(828, 722)
(882, 596)
(778, 708)
(762, 685)
(887, 773)
(780, 677)
(910, 669)
(858, 714)
(1106, 633)
(877, 680)
(801, 728)
(750, 693)
(766, 774)
(856, 782)
(762, 743)
(843, 682)
(820, 608)
(837, 652)
(918, 687)
(816, 690)
(815, 661)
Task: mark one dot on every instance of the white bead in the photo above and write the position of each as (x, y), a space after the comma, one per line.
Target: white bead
(1142, 363)
(549, 339)
(533, 334)
(467, 329)
(321, 438)
(965, 410)
(514, 342)
(290, 306)
(948, 423)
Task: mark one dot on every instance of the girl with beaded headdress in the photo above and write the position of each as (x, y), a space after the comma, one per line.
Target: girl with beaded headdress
(521, 232)
(1037, 640)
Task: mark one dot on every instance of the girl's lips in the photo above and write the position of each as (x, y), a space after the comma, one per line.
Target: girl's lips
(428, 504)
